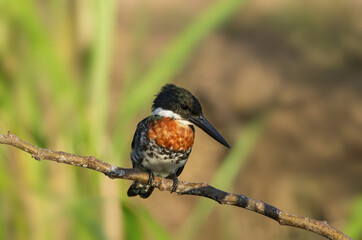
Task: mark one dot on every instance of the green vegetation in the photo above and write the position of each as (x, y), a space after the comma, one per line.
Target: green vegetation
(60, 88)
(354, 225)
(57, 96)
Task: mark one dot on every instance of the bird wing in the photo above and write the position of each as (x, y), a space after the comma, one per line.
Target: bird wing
(140, 140)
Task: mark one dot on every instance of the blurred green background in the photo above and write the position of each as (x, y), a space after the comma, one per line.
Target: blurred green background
(280, 80)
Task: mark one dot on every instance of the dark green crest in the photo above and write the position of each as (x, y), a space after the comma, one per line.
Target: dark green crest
(178, 100)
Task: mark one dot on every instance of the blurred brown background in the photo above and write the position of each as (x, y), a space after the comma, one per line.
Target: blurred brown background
(295, 65)
(300, 63)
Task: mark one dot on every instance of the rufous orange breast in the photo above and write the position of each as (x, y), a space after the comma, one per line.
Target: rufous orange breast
(171, 134)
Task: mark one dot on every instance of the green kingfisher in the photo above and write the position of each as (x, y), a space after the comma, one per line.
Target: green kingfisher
(163, 141)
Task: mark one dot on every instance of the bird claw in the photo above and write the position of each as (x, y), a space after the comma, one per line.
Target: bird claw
(150, 178)
(174, 185)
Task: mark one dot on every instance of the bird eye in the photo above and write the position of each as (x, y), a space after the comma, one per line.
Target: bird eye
(184, 107)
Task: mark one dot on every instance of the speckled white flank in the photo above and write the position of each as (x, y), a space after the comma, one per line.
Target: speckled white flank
(163, 162)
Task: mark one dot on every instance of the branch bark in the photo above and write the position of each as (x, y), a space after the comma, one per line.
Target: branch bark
(184, 188)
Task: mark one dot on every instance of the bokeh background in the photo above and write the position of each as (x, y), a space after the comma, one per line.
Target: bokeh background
(281, 80)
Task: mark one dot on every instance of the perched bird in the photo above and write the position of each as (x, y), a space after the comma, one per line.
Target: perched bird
(163, 141)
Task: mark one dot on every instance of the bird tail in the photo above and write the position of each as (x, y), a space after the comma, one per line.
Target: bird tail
(143, 190)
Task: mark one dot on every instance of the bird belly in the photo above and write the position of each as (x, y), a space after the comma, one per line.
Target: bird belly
(163, 162)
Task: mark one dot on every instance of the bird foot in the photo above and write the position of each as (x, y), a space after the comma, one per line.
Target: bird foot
(150, 178)
(174, 185)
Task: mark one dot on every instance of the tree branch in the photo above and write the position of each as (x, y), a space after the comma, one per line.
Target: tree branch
(184, 188)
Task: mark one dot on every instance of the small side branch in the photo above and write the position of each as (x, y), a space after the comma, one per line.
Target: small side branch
(184, 188)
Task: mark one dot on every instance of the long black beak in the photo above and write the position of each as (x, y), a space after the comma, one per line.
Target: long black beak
(202, 123)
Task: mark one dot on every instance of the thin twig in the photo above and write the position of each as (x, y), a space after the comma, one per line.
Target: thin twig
(184, 188)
